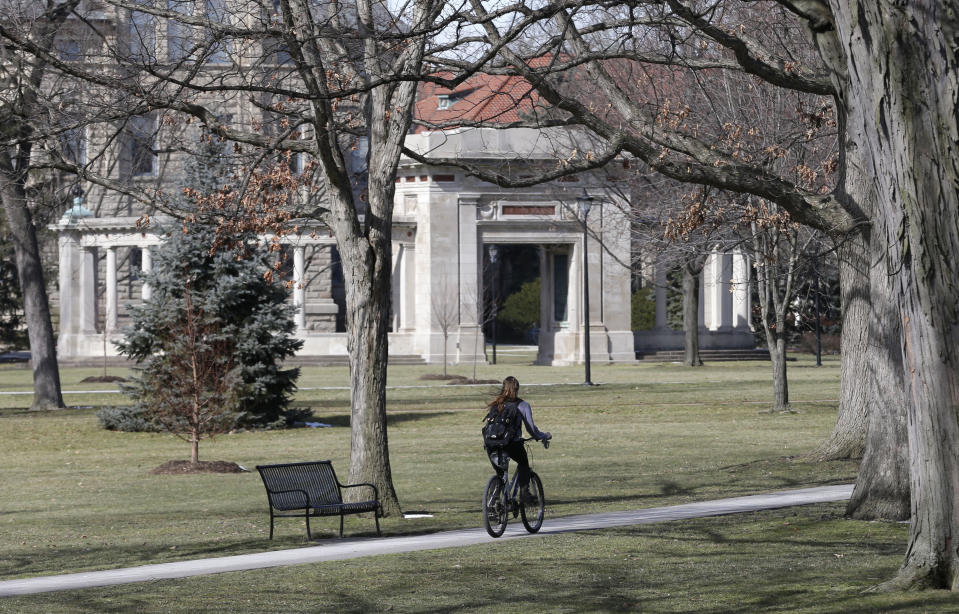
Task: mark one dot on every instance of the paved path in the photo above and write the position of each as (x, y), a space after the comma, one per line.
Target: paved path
(353, 548)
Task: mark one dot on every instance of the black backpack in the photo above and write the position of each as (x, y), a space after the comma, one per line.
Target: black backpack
(500, 426)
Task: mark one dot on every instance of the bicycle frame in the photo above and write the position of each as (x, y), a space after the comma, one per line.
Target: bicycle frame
(506, 501)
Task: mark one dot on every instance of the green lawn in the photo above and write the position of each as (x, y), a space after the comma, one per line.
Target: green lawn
(78, 498)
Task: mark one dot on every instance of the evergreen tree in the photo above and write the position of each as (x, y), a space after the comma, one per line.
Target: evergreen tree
(212, 310)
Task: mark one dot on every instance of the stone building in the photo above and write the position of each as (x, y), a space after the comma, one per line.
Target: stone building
(445, 222)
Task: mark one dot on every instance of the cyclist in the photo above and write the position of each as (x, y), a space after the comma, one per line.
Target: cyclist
(509, 396)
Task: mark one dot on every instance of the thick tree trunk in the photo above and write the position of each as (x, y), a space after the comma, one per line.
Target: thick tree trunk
(904, 69)
(36, 307)
(366, 272)
(691, 315)
(882, 486)
(848, 437)
(871, 420)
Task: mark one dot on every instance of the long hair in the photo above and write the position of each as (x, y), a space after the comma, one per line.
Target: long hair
(508, 393)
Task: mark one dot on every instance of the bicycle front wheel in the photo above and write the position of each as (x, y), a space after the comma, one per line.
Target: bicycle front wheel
(494, 507)
(534, 508)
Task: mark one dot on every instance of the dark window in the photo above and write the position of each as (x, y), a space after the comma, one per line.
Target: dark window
(73, 144)
(142, 135)
(219, 50)
(179, 34)
(68, 50)
(143, 37)
(136, 262)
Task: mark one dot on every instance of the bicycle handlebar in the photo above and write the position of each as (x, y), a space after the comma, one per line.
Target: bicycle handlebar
(545, 442)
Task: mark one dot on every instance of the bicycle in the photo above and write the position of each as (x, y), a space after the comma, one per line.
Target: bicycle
(501, 498)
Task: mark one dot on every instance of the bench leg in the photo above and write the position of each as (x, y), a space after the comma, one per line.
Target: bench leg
(341, 525)
(376, 517)
(309, 536)
(271, 522)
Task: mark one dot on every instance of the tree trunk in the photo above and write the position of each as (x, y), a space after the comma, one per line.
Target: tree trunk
(882, 486)
(848, 437)
(446, 337)
(36, 307)
(777, 354)
(366, 273)
(691, 314)
(903, 68)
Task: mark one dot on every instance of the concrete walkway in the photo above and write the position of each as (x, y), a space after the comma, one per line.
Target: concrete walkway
(352, 548)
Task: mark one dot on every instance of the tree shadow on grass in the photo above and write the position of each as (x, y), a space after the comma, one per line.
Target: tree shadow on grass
(392, 418)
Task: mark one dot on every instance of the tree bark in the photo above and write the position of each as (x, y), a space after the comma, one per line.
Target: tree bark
(848, 437)
(904, 69)
(777, 354)
(36, 307)
(691, 273)
(882, 486)
(871, 420)
(366, 273)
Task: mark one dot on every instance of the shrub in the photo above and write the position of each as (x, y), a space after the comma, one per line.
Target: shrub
(521, 309)
(643, 309)
(126, 419)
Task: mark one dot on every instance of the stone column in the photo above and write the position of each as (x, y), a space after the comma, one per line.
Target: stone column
(69, 253)
(660, 286)
(146, 265)
(408, 287)
(741, 295)
(470, 263)
(299, 289)
(712, 290)
(88, 290)
(111, 290)
(574, 291)
(726, 292)
(395, 283)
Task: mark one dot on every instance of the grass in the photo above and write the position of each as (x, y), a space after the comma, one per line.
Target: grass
(800, 560)
(78, 498)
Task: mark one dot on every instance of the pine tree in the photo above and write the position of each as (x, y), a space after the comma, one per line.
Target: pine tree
(211, 311)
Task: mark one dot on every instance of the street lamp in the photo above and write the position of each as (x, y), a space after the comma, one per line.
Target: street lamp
(815, 264)
(585, 202)
(494, 263)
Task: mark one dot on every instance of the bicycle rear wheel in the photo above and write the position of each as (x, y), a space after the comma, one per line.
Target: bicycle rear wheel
(534, 508)
(494, 509)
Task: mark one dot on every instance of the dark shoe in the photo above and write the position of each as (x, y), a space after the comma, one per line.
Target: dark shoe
(526, 497)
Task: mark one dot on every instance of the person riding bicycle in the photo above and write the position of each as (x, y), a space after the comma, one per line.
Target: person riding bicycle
(508, 400)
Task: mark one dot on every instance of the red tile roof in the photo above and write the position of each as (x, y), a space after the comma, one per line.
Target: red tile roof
(482, 98)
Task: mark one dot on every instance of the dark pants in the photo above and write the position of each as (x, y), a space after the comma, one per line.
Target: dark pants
(516, 451)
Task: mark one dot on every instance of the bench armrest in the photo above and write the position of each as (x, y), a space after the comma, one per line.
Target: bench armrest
(376, 493)
(305, 494)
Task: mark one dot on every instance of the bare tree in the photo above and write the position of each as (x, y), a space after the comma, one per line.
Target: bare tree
(594, 41)
(445, 308)
(876, 60)
(193, 386)
(333, 82)
(23, 107)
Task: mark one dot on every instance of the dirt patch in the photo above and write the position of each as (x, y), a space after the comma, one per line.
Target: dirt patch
(178, 467)
(97, 379)
(466, 380)
(440, 376)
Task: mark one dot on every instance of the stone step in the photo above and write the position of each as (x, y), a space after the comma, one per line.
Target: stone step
(705, 355)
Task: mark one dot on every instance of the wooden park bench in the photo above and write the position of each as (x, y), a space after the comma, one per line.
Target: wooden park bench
(311, 489)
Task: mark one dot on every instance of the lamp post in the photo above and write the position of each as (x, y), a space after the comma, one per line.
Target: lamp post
(494, 263)
(585, 202)
(818, 316)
